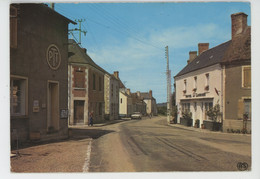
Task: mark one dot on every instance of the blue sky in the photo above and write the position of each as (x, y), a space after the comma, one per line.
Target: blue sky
(131, 37)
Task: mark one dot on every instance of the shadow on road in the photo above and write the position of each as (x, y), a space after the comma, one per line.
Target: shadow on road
(78, 134)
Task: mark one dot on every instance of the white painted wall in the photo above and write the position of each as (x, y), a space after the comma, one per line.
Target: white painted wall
(215, 81)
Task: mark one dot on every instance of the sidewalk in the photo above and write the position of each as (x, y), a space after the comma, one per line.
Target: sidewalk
(204, 130)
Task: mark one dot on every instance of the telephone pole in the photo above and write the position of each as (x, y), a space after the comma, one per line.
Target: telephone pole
(168, 77)
(79, 29)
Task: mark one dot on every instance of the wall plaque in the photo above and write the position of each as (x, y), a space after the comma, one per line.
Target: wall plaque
(53, 57)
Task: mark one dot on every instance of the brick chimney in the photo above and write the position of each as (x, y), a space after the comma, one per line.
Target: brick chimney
(84, 50)
(193, 55)
(151, 93)
(239, 23)
(128, 91)
(203, 47)
(116, 74)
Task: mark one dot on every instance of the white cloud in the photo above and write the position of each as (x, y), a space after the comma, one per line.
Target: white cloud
(142, 65)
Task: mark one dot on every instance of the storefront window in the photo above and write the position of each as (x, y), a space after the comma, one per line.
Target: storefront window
(18, 96)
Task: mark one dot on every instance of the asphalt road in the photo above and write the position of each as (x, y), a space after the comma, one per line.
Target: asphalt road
(150, 145)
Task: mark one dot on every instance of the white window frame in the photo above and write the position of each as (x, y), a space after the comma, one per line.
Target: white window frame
(24, 100)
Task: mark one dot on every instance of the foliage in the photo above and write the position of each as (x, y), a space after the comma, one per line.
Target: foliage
(214, 113)
(162, 110)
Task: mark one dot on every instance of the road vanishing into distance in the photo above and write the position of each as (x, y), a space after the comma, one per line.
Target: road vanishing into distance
(147, 145)
(150, 145)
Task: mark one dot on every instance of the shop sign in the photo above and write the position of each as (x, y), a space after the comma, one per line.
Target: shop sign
(53, 57)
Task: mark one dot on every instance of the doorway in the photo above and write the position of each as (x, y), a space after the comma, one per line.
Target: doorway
(79, 111)
(53, 106)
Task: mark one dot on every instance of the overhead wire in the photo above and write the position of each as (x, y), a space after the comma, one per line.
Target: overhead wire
(120, 29)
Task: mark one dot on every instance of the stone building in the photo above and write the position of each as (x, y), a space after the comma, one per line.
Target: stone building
(138, 103)
(112, 96)
(86, 86)
(38, 73)
(151, 107)
(125, 103)
(220, 75)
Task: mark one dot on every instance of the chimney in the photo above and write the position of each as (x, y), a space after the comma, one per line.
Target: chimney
(128, 91)
(151, 93)
(116, 74)
(84, 50)
(203, 47)
(52, 6)
(239, 23)
(193, 55)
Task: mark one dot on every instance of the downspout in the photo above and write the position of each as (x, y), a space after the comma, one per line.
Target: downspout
(223, 75)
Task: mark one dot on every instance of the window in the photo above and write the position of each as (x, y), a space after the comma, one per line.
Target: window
(185, 86)
(195, 84)
(112, 90)
(100, 84)
(13, 27)
(79, 77)
(195, 106)
(18, 96)
(207, 82)
(121, 100)
(246, 77)
(94, 82)
(185, 107)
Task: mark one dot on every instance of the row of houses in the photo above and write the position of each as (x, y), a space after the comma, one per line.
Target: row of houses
(53, 81)
(219, 75)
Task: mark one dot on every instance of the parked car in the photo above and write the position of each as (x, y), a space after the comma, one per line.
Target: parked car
(136, 115)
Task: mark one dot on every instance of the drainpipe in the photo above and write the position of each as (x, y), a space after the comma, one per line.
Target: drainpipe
(223, 95)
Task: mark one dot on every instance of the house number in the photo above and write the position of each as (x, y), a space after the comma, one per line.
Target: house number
(53, 57)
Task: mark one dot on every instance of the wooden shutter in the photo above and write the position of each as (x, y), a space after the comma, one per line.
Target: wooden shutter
(247, 77)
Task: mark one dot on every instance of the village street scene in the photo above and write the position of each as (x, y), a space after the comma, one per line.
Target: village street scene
(87, 96)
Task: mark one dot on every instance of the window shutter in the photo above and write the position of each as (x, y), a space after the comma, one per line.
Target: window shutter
(247, 77)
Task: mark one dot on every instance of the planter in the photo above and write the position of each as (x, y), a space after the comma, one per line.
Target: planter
(197, 123)
(211, 125)
(186, 121)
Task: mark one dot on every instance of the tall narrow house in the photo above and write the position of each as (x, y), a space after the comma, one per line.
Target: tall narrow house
(38, 73)
(86, 87)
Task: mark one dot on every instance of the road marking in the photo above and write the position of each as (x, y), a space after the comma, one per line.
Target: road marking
(87, 159)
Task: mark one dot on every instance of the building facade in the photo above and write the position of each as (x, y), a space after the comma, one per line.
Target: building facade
(112, 96)
(151, 107)
(38, 73)
(125, 103)
(86, 87)
(220, 75)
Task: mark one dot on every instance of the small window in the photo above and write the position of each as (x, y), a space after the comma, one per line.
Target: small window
(100, 83)
(207, 81)
(195, 83)
(112, 90)
(94, 82)
(121, 100)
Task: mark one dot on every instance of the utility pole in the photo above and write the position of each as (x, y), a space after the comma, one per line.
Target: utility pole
(168, 77)
(79, 29)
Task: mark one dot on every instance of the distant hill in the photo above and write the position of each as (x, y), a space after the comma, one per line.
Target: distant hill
(161, 104)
